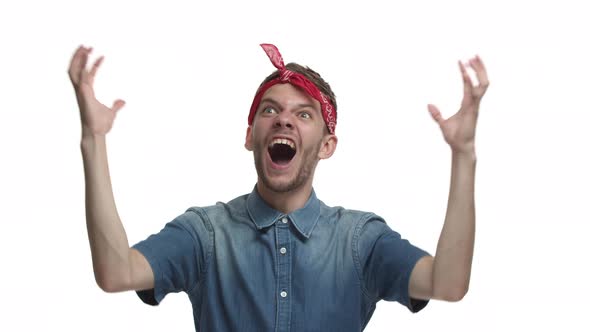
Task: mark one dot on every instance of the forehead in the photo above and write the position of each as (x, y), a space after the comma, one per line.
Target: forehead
(289, 96)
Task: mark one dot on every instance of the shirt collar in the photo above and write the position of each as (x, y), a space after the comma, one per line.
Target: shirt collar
(265, 216)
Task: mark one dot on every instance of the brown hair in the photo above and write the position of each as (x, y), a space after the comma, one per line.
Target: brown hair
(311, 75)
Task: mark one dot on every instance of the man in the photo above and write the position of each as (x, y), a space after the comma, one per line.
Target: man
(278, 259)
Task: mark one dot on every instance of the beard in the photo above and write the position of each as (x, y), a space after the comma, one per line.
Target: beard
(303, 174)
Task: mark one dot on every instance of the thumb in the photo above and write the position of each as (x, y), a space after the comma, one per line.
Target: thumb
(435, 113)
(117, 105)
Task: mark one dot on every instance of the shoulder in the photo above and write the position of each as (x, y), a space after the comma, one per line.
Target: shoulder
(355, 218)
(365, 227)
(234, 209)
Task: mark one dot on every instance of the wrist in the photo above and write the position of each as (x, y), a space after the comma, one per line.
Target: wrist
(464, 155)
(90, 140)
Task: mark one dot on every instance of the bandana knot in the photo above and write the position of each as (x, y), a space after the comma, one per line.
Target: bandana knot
(286, 75)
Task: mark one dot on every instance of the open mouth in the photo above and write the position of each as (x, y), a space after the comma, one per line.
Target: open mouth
(281, 151)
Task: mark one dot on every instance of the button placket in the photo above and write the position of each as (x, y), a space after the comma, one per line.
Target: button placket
(283, 240)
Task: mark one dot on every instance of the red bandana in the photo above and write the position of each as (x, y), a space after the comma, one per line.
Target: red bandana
(296, 79)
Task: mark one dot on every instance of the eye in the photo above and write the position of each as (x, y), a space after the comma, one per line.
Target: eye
(269, 110)
(305, 115)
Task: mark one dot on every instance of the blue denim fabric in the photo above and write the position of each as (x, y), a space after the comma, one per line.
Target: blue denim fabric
(248, 267)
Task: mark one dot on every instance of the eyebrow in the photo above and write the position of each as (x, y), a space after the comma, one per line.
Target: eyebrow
(270, 101)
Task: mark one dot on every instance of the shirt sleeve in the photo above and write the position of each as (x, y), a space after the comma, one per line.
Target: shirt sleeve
(386, 263)
(177, 256)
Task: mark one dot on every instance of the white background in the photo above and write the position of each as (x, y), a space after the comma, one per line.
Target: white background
(188, 71)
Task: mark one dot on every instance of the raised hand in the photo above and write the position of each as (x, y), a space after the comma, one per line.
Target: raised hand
(459, 129)
(97, 119)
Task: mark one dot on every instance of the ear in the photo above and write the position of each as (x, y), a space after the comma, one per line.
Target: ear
(248, 143)
(328, 147)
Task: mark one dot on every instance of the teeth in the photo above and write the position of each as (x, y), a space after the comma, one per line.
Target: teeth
(282, 141)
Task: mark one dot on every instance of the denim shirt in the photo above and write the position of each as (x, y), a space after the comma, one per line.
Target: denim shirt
(248, 267)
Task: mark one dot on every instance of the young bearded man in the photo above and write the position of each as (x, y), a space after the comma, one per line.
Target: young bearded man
(278, 259)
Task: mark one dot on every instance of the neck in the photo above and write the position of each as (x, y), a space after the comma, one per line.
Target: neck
(285, 202)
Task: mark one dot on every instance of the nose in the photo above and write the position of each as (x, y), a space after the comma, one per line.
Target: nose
(284, 120)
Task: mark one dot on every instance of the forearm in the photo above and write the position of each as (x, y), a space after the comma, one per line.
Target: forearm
(108, 240)
(454, 253)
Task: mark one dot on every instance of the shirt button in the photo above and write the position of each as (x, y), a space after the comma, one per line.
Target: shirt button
(285, 220)
(283, 294)
(283, 250)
